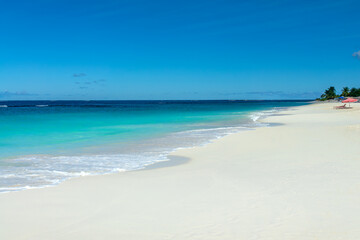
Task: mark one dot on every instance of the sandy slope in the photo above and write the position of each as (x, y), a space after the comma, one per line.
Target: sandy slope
(299, 180)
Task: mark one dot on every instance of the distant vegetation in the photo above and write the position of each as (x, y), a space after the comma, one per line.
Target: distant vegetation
(330, 93)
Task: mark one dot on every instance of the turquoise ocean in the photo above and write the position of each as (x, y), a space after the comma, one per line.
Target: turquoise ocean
(43, 143)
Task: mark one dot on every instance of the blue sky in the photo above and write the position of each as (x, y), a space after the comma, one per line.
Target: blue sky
(195, 49)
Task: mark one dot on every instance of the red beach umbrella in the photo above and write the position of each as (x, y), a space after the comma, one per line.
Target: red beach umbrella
(349, 100)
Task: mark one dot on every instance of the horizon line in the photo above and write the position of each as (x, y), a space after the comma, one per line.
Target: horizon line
(302, 99)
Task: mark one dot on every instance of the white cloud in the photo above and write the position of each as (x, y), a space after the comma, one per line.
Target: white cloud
(356, 54)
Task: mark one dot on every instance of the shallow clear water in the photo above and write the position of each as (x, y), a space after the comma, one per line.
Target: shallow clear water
(45, 142)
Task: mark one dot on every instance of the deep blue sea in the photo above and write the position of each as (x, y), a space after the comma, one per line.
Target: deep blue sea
(43, 143)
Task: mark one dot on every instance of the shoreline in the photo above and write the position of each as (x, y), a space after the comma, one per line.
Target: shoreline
(302, 184)
(174, 159)
(254, 122)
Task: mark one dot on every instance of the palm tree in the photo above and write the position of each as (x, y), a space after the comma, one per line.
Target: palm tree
(345, 92)
(329, 93)
(354, 92)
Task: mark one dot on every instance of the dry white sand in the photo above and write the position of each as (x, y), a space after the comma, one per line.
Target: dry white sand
(299, 180)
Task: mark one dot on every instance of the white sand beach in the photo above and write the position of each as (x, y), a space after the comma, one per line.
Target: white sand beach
(296, 180)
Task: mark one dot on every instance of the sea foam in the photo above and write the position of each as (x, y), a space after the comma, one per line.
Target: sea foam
(36, 171)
